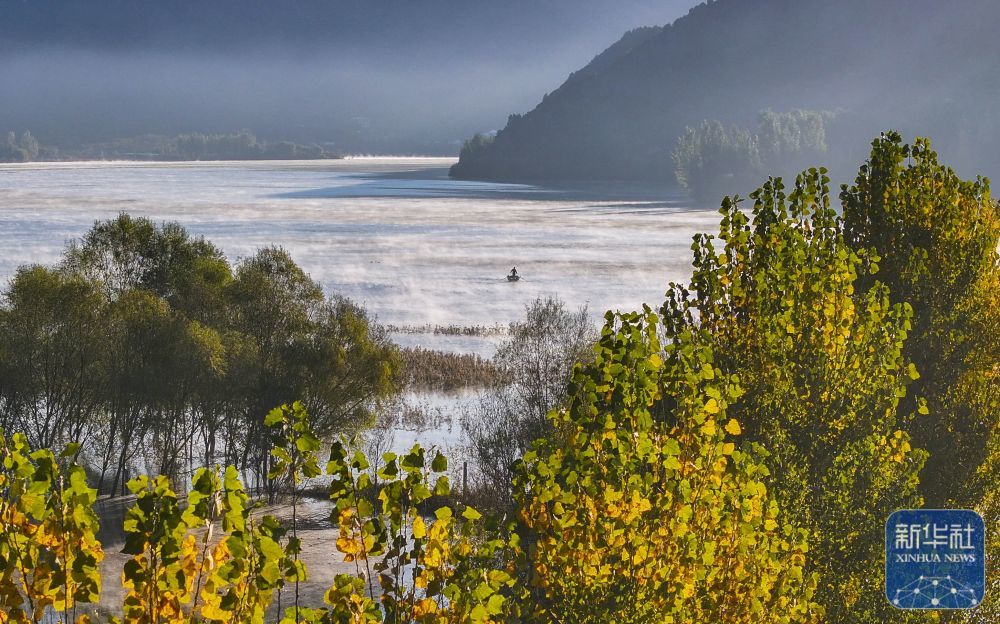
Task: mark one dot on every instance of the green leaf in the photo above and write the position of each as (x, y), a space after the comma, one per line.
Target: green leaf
(274, 417)
(440, 463)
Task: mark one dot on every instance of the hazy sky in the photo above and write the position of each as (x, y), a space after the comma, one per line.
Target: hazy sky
(378, 76)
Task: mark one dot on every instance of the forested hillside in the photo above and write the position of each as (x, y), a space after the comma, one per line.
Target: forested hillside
(912, 65)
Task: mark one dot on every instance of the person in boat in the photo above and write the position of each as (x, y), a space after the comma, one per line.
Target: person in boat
(513, 273)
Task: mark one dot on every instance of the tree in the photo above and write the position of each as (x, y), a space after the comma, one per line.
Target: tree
(30, 146)
(537, 359)
(642, 508)
(712, 158)
(11, 151)
(52, 357)
(937, 238)
(791, 139)
(145, 346)
(534, 365)
(140, 332)
(49, 552)
(303, 346)
(822, 364)
(476, 145)
(127, 253)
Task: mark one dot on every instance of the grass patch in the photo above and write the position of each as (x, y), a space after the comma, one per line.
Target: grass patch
(432, 370)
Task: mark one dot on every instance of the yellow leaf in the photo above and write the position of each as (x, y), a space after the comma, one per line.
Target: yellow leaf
(733, 427)
(347, 545)
(419, 528)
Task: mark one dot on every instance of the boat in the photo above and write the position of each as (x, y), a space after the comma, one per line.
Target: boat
(513, 278)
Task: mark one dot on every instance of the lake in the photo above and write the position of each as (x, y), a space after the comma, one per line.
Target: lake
(394, 234)
(415, 248)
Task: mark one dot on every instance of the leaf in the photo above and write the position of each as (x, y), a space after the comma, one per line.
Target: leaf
(440, 463)
(671, 447)
(733, 427)
(274, 417)
(419, 528)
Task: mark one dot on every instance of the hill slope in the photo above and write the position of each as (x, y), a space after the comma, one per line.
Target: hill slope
(920, 66)
(372, 76)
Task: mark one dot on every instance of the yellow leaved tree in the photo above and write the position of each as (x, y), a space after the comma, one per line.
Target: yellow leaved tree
(49, 553)
(644, 507)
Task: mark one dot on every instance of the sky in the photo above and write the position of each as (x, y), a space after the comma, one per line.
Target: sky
(379, 76)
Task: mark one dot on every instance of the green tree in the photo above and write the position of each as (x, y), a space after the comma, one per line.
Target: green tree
(475, 146)
(144, 344)
(823, 369)
(127, 253)
(302, 345)
(937, 236)
(712, 158)
(140, 331)
(52, 357)
(791, 139)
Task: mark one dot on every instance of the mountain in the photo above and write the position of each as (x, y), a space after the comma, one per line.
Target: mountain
(382, 76)
(918, 66)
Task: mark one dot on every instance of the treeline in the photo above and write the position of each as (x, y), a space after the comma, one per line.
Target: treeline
(472, 151)
(23, 149)
(450, 330)
(618, 117)
(711, 158)
(145, 345)
(241, 145)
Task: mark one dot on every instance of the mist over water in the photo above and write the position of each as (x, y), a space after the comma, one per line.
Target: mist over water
(394, 234)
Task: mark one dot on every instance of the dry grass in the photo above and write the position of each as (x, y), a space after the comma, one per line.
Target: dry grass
(431, 370)
(450, 330)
